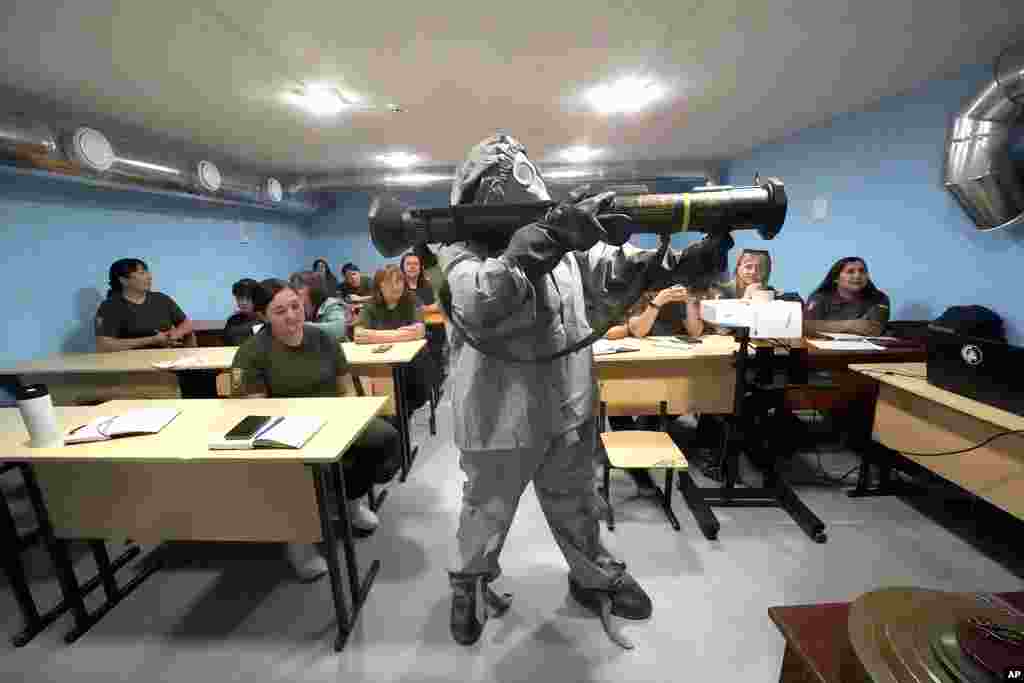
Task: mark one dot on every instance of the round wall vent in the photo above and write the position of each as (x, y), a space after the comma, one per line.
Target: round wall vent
(91, 149)
(272, 190)
(208, 175)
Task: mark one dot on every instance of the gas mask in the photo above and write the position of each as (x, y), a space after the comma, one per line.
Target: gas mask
(497, 171)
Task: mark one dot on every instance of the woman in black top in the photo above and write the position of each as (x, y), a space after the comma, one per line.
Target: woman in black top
(242, 324)
(847, 301)
(320, 266)
(135, 317)
(417, 282)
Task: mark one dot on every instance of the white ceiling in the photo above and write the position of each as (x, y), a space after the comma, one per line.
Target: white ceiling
(741, 71)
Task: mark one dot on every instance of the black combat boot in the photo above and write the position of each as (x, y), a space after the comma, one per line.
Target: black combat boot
(623, 598)
(473, 601)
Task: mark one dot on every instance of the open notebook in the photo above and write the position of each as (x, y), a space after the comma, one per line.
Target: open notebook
(134, 422)
(281, 432)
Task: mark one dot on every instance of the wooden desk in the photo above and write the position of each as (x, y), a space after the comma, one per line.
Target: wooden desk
(818, 647)
(171, 486)
(700, 377)
(912, 415)
(380, 369)
(75, 378)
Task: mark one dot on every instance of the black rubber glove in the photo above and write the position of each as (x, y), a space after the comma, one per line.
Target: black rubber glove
(573, 225)
(699, 265)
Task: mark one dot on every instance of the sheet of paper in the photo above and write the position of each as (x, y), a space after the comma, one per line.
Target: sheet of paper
(293, 431)
(844, 336)
(180, 363)
(604, 347)
(845, 345)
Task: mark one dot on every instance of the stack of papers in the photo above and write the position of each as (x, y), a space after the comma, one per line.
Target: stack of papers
(603, 347)
(855, 344)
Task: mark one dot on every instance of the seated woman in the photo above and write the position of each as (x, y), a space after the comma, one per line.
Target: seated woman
(240, 326)
(322, 310)
(753, 268)
(354, 287)
(330, 282)
(672, 311)
(393, 316)
(288, 358)
(417, 282)
(135, 317)
(847, 301)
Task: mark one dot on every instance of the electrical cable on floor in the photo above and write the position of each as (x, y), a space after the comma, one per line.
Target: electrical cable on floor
(960, 451)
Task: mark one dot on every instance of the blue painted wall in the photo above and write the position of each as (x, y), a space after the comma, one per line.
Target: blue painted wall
(881, 170)
(58, 240)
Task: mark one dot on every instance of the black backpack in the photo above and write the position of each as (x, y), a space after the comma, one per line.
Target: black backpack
(971, 321)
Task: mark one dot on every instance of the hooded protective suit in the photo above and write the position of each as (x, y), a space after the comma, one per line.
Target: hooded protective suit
(517, 422)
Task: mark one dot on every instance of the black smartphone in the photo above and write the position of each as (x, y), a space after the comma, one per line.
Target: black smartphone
(382, 348)
(688, 340)
(247, 428)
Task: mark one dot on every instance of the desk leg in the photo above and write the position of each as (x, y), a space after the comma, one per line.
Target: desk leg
(359, 590)
(398, 374)
(11, 546)
(74, 593)
(873, 453)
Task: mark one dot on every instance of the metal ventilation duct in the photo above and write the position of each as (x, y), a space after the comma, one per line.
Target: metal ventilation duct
(94, 156)
(980, 169)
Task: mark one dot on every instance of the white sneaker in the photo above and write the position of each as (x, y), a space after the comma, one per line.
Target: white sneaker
(306, 561)
(361, 516)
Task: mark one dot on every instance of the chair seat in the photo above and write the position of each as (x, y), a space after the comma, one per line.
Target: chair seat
(631, 449)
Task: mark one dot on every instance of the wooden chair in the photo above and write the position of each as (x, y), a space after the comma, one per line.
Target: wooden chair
(639, 449)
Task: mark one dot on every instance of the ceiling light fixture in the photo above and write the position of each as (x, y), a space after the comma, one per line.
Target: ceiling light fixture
(320, 99)
(399, 159)
(567, 173)
(149, 166)
(580, 154)
(626, 95)
(416, 178)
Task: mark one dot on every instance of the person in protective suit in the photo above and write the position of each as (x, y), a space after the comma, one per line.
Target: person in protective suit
(523, 406)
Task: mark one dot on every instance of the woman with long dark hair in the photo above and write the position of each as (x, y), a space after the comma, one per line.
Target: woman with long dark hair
(135, 317)
(847, 301)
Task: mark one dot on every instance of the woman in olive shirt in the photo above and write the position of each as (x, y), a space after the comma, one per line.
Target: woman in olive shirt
(394, 316)
(288, 358)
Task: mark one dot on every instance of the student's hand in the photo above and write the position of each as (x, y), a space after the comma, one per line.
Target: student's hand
(162, 339)
(672, 295)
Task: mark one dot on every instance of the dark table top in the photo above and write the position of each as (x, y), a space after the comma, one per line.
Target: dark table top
(819, 634)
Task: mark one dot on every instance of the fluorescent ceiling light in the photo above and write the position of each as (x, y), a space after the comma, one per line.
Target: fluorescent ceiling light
(416, 178)
(580, 154)
(399, 159)
(567, 173)
(151, 167)
(320, 99)
(626, 95)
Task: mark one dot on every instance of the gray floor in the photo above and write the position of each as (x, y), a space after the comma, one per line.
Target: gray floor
(225, 612)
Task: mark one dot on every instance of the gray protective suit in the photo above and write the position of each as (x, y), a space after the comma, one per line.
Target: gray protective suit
(521, 422)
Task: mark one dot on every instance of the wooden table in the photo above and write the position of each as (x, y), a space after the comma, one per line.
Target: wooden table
(364, 363)
(171, 486)
(818, 648)
(701, 378)
(75, 378)
(913, 416)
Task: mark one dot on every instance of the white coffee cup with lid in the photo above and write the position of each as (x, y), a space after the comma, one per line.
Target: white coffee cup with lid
(39, 416)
